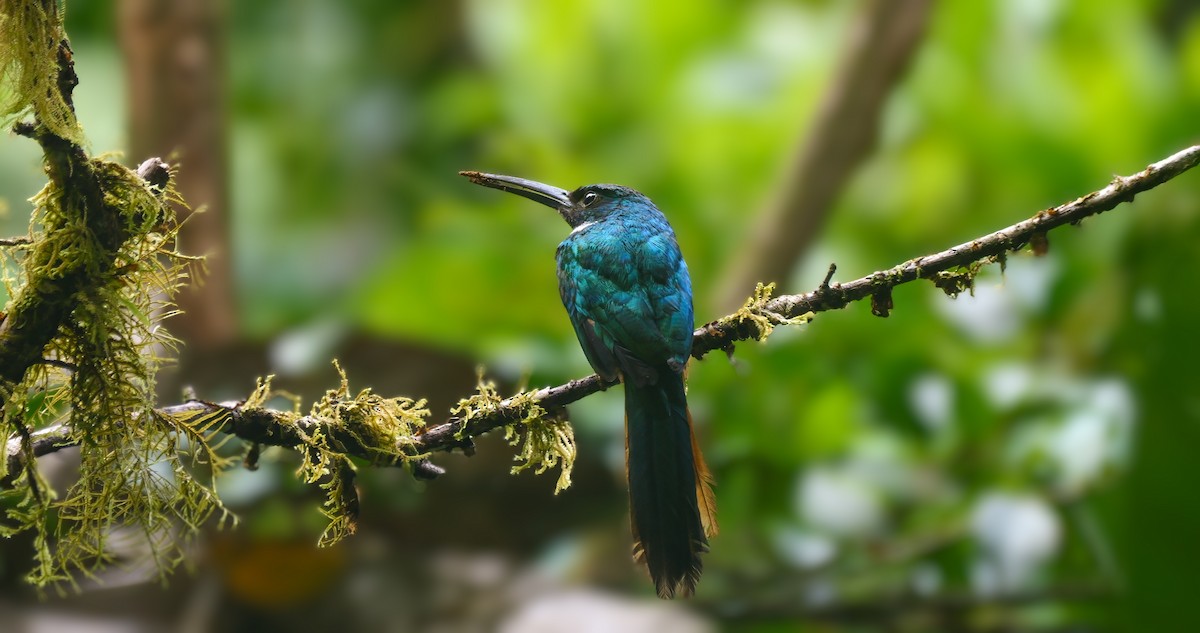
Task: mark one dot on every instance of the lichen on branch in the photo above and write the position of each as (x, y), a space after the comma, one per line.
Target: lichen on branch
(81, 338)
(755, 320)
(108, 274)
(32, 48)
(547, 441)
(81, 342)
(384, 427)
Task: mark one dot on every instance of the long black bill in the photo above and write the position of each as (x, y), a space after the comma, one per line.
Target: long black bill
(548, 195)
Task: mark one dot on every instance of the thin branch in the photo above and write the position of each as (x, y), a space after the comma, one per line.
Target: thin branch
(274, 428)
(719, 334)
(44, 441)
(722, 333)
(61, 364)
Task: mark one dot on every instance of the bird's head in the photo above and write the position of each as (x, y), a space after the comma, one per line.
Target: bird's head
(588, 203)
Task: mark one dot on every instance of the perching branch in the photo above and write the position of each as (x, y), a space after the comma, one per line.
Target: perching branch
(755, 320)
(941, 267)
(951, 270)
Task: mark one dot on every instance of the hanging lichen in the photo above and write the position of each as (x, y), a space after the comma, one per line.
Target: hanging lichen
(89, 289)
(958, 280)
(384, 426)
(135, 471)
(83, 335)
(31, 43)
(139, 472)
(546, 441)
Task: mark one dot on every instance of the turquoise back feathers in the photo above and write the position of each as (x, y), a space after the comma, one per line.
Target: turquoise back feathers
(628, 294)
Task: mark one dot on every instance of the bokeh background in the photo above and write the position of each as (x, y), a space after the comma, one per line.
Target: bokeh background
(1020, 459)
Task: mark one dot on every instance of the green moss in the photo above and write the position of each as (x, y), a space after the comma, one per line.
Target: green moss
(383, 427)
(959, 279)
(31, 39)
(545, 441)
(140, 473)
(754, 317)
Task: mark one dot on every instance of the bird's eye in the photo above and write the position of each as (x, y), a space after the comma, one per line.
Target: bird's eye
(589, 198)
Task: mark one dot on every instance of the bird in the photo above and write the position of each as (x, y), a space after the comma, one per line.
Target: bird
(626, 289)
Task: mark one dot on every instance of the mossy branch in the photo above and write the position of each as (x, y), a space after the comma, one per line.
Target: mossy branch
(80, 340)
(488, 411)
(45, 303)
(76, 344)
(953, 269)
(36, 68)
(762, 311)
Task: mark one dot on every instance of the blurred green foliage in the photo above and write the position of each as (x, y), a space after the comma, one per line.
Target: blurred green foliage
(1034, 437)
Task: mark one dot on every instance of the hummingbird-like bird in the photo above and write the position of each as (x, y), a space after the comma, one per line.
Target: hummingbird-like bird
(627, 290)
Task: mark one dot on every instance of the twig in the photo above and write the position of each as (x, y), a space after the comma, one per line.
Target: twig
(44, 441)
(272, 428)
(718, 334)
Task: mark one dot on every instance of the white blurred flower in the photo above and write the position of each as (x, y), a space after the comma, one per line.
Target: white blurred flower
(1017, 535)
(987, 315)
(1007, 384)
(805, 549)
(926, 579)
(931, 397)
(840, 503)
(1095, 435)
(306, 348)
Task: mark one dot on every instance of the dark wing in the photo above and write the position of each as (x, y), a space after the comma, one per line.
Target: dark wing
(597, 347)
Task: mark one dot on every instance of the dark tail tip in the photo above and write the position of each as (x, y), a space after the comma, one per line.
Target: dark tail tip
(669, 531)
(676, 578)
(681, 582)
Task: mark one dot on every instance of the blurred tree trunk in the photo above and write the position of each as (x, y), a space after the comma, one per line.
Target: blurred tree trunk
(1161, 553)
(175, 68)
(882, 41)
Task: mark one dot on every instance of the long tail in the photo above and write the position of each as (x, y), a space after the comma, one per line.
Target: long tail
(670, 496)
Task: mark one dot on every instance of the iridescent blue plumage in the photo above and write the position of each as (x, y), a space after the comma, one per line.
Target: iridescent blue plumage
(627, 291)
(625, 285)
